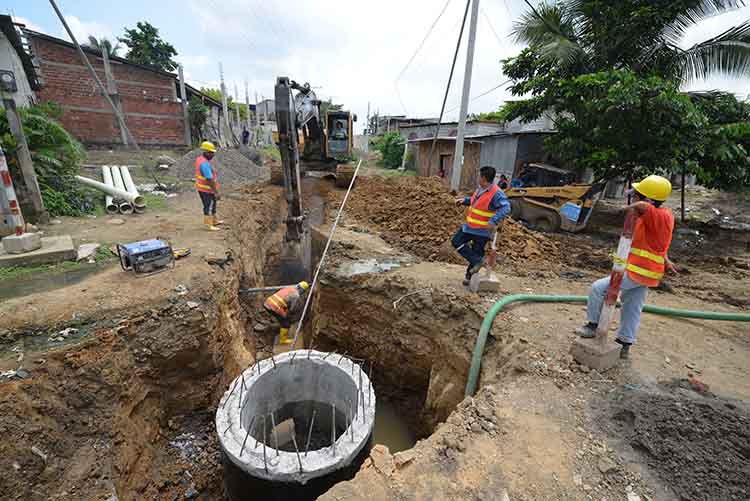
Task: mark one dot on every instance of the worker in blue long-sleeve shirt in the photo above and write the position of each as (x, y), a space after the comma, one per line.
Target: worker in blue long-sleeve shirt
(487, 207)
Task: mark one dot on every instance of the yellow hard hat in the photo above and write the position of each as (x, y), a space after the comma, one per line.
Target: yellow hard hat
(654, 187)
(304, 285)
(208, 146)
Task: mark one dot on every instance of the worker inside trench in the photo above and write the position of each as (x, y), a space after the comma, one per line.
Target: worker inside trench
(399, 402)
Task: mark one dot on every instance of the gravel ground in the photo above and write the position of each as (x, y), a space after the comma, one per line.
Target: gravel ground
(233, 167)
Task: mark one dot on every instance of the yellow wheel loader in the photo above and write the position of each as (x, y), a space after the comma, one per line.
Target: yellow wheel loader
(548, 199)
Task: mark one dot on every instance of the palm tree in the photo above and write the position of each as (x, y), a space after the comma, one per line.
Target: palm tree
(583, 36)
(103, 43)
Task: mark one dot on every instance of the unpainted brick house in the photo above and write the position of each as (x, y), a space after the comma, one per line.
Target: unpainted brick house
(148, 97)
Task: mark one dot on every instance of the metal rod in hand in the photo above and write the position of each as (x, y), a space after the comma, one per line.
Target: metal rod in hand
(263, 289)
(299, 459)
(309, 433)
(275, 434)
(323, 256)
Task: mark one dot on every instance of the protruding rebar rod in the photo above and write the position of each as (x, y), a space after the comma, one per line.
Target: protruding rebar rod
(247, 435)
(292, 360)
(227, 428)
(273, 362)
(243, 383)
(333, 428)
(299, 459)
(265, 463)
(275, 435)
(342, 357)
(309, 432)
(329, 354)
(231, 392)
(362, 399)
(351, 421)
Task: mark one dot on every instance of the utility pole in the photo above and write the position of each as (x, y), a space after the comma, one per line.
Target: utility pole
(183, 98)
(237, 104)
(458, 157)
(24, 156)
(368, 118)
(247, 106)
(265, 121)
(224, 107)
(257, 118)
(112, 91)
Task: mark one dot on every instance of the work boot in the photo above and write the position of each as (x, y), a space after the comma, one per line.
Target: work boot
(209, 222)
(467, 278)
(283, 339)
(217, 222)
(588, 331)
(625, 351)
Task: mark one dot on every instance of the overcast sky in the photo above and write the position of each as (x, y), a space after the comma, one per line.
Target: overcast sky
(352, 52)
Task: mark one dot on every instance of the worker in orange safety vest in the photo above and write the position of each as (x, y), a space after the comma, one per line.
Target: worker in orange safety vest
(646, 264)
(285, 305)
(207, 184)
(487, 207)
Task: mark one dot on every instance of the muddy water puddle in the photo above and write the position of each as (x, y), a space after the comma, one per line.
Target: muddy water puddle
(47, 281)
(391, 429)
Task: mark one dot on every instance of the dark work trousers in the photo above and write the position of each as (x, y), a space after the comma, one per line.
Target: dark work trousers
(470, 246)
(284, 322)
(209, 203)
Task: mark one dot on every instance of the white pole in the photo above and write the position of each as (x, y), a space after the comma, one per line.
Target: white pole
(458, 157)
(224, 107)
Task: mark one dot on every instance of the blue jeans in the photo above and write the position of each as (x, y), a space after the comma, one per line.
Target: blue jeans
(209, 203)
(632, 296)
(470, 246)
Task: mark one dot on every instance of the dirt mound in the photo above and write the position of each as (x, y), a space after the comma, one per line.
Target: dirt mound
(418, 214)
(697, 444)
(232, 166)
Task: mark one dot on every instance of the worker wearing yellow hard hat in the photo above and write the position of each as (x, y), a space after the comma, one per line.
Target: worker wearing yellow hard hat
(285, 305)
(207, 184)
(646, 263)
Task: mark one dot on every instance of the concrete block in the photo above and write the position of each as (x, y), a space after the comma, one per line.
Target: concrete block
(593, 354)
(53, 250)
(484, 282)
(19, 244)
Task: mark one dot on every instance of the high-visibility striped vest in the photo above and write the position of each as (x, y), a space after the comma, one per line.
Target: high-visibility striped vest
(646, 263)
(278, 301)
(479, 213)
(201, 183)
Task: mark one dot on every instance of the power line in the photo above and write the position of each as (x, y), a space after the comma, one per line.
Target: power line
(483, 94)
(429, 32)
(492, 28)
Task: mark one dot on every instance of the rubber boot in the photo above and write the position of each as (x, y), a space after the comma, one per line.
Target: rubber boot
(217, 222)
(209, 222)
(283, 339)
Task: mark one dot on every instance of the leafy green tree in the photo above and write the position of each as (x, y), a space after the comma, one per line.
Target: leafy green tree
(724, 161)
(56, 156)
(620, 124)
(101, 44)
(231, 104)
(391, 147)
(146, 47)
(197, 115)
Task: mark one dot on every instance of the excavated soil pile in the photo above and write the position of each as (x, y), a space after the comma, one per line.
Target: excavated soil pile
(418, 214)
(697, 444)
(232, 166)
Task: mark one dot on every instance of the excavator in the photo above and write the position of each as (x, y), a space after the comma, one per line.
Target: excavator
(323, 147)
(325, 144)
(550, 200)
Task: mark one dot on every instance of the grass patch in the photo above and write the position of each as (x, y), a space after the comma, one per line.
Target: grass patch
(155, 202)
(272, 151)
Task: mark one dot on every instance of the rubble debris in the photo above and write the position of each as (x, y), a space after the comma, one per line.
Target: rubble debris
(181, 290)
(86, 251)
(233, 167)
(38, 452)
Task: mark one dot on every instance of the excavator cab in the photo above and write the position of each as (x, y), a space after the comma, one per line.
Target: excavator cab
(339, 135)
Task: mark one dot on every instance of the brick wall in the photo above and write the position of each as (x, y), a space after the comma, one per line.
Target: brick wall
(148, 99)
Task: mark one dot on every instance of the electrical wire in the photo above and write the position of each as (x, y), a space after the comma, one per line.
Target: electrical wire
(492, 28)
(482, 94)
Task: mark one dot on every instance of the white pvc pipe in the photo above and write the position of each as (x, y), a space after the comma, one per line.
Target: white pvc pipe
(114, 191)
(126, 206)
(130, 186)
(109, 205)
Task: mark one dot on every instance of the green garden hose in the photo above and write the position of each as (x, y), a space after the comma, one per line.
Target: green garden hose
(476, 358)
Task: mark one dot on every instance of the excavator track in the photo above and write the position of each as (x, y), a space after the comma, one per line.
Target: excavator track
(344, 174)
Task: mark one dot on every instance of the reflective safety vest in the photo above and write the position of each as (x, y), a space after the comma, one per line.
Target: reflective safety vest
(646, 264)
(201, 183)
(479, 213)
(278, 301)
